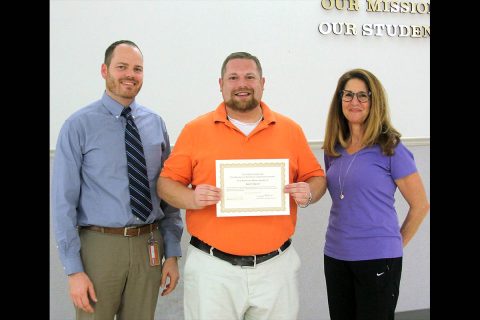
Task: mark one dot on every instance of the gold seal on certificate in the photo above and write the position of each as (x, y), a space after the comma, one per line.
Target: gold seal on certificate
(252, 187)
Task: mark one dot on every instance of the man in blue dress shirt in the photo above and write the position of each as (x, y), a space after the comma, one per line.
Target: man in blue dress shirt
(113, 258)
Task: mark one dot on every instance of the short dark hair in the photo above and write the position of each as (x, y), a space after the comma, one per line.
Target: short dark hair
(109, 51)
(241, 55)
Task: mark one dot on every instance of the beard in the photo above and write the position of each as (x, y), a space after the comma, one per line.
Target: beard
(242, 106)
(114, 86)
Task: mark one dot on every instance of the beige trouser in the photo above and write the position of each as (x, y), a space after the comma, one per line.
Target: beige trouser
(125, 283)
(217, 290)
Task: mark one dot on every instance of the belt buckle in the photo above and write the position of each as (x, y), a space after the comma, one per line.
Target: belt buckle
(254, 263)
(127, 228)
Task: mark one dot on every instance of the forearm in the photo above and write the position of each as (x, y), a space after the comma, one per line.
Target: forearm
(175, 193)
(412, 222)
(318, 187)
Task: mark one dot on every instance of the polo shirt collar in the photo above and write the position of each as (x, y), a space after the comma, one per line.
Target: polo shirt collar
(220, 114)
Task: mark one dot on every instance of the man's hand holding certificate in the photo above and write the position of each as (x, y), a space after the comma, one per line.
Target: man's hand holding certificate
(252, 187)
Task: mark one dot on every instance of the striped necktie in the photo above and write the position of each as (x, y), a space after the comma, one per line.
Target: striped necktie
(140, 200)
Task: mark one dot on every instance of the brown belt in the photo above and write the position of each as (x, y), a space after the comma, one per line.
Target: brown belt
(132, 231)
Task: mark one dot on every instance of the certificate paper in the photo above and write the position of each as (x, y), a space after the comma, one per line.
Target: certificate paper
(253, 187)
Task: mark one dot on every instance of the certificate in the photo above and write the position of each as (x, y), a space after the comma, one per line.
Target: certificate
(253, 187)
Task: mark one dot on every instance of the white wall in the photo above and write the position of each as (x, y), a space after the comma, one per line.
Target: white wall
(185, 42)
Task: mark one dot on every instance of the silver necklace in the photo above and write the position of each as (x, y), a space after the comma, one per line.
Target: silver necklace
(345, 175)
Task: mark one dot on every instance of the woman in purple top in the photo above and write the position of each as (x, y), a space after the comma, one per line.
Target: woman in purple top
(365, 163)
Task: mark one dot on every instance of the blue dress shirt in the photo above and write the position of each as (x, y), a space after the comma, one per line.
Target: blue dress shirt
(90, 177)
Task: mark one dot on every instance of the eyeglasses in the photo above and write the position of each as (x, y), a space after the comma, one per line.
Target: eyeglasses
(362, 96)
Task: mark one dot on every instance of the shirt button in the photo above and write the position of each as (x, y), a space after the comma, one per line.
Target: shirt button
(138, 218)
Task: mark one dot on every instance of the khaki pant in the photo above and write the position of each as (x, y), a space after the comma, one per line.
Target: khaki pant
(124, 282)
(217, 290)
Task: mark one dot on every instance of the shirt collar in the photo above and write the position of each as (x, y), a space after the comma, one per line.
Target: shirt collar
(220, 114)
(114, 107)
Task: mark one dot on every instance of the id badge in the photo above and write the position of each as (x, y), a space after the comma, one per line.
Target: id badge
(153, 254)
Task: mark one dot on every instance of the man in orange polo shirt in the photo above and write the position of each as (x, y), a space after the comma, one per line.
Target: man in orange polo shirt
(241, 267)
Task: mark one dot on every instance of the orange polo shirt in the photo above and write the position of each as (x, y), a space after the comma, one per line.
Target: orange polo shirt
(212, 137)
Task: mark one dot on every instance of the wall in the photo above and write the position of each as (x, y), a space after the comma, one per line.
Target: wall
(185, 42)
(308, 240)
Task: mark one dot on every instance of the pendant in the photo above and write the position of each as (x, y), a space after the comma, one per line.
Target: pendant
(342, 196)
